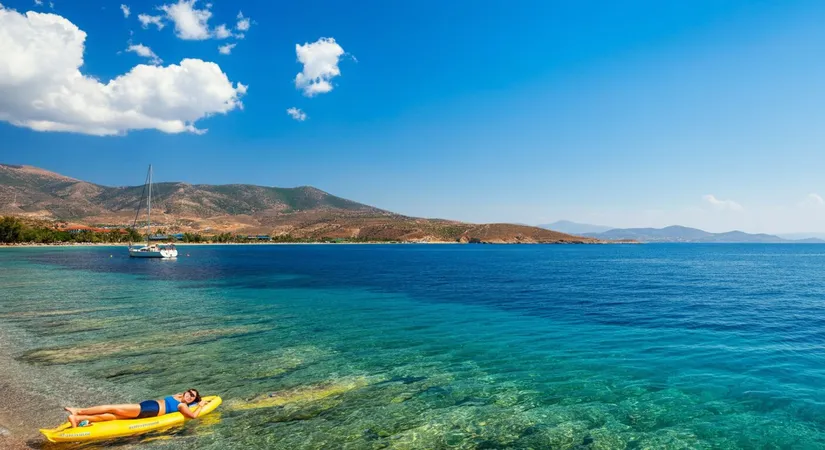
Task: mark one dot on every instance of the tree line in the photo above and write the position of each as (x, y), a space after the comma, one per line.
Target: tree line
(16, 231)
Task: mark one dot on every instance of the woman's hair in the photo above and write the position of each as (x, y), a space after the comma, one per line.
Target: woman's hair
(197, 395)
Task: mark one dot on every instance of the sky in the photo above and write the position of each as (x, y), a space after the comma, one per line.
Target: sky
(703, 113)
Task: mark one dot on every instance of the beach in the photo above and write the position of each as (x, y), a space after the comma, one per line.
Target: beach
(34, 398)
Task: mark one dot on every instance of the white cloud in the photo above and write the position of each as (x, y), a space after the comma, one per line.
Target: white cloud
(38, 2)
(145, 52)
(320, 60)
(190, 23)
(812, 200)
(146, 20)
(42, 88)
(722, 205)
(226, 49)
(125, 10)
(297, 114)
(243, 22)
(222, 32)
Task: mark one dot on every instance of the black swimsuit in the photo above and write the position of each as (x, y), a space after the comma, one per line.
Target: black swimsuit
(149, 408)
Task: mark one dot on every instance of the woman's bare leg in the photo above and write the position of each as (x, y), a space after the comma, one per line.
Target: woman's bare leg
(126, 411)
(76, 419)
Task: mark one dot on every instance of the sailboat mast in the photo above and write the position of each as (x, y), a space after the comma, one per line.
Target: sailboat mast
(149, 210)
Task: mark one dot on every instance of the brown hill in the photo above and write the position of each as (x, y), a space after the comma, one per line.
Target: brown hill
(301, 212)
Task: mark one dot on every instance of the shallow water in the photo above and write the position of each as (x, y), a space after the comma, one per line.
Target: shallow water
(427, 346)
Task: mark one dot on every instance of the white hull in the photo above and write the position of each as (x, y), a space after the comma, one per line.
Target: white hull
(150, 250)
(153, 252)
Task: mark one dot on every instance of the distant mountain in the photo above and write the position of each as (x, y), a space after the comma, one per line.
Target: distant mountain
(740, 236)
(807, 241)
(301, 212)
(566, 226)
(685, 234)
(669, 234)
(802, 236)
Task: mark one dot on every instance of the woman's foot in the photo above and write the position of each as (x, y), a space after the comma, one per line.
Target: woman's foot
(73, 420)
(71, 411)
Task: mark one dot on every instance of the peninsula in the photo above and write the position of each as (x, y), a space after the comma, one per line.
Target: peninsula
(300, 214)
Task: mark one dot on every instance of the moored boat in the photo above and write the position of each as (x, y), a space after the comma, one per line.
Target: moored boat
(150, 250)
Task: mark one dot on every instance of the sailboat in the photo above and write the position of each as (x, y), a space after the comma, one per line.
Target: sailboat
(150, 250)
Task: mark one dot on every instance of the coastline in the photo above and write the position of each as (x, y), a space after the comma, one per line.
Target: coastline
(183, 244)
(34, 396)
(19, 425)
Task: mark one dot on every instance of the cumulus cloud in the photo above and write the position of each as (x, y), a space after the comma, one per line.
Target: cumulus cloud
(190, 23)
(226, 49)
(320, 60)
(42, 88)
(297, 114)
(243, 22)
(222, 32)
(722, 205)
(147, 20)
(812, 200)
(125, 10)
(145, 52)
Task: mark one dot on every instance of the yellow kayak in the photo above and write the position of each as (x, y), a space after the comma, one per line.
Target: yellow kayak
(120, 428)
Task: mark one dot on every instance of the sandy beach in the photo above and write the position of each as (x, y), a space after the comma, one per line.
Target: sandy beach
(34, 398)
(12, 443)
(24, 408)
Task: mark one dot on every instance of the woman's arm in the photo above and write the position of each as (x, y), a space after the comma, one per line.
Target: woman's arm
(184, 409)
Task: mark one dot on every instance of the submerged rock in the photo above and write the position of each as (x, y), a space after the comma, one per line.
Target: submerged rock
(100, 350)
(305, 394)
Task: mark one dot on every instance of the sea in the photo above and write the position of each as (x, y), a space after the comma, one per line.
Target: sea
(405, 346)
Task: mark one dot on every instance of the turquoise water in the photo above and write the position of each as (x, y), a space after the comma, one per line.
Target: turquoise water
(428, 346)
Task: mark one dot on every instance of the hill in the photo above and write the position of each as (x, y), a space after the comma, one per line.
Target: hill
(669, 234)
(300, 212)
(566, 226)
(685, 234)
(802, 236)
(31, 191)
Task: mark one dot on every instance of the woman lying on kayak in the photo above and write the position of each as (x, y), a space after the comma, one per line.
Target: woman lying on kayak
(150, 408)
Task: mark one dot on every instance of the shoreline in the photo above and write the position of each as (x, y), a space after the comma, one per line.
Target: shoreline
(34, 396)
(25, 385)
(182, 244)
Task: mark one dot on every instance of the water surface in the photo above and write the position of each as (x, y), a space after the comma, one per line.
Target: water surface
(430, 346)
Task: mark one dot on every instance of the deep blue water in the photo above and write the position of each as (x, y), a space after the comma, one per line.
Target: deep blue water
(444, 346)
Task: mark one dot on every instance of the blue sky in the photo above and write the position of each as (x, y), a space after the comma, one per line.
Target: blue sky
(638, 113)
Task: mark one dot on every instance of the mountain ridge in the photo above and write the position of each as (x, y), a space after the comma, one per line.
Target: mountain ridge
(301, 212)
(678, 233)
(570, 227)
